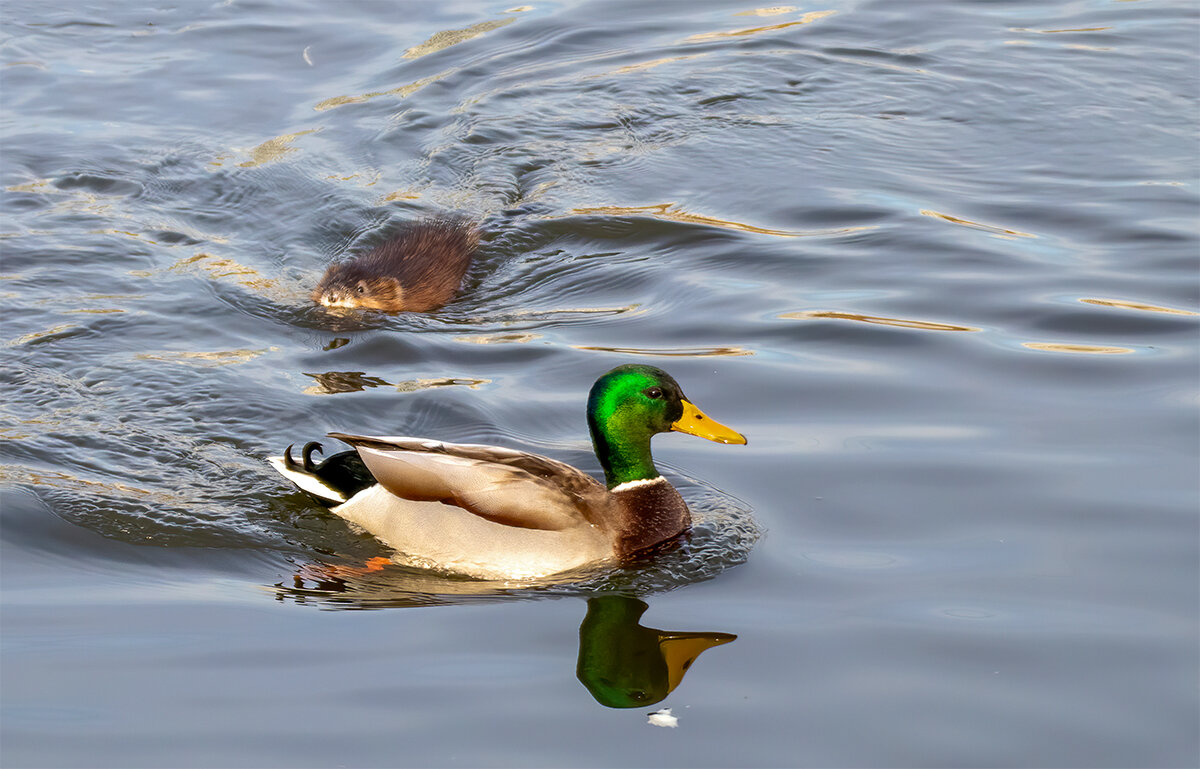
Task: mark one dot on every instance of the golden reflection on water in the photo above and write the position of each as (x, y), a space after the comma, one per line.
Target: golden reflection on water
(37, 185)
(1138, 306)
(374, 178)
(16, 474)
(1000, 231)
(38, 335)
(1057, 31)
(566, 313)
(675, 352)
(413, 385)
(401, 91)
(219, 268)
(497, 338)
(668, 212)
(807, 18)
(128, 234)
(206, 359)
(273, 149)
(80, 199)
(1083, 348)
(110, 297)
(924, 325)
(773, 11)
(334, 382)
(647, 65)
(447, 38)
(399, 195)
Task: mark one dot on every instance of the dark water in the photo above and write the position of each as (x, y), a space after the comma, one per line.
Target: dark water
(938, 261)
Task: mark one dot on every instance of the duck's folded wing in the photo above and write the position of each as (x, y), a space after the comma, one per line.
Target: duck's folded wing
(511, 487)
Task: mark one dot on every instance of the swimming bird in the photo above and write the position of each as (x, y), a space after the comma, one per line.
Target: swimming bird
(498, 513)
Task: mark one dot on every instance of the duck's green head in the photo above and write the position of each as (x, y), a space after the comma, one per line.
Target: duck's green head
(631, 404)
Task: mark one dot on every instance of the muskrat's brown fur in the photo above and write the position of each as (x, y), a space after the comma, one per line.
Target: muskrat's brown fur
(416, 270)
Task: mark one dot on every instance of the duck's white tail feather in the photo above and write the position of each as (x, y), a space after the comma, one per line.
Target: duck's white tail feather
(309, 484)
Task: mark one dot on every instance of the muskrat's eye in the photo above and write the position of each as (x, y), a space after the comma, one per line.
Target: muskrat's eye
(653, 392)
(361, 288)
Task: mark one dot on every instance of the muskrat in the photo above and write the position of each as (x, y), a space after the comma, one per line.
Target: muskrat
(416, 270)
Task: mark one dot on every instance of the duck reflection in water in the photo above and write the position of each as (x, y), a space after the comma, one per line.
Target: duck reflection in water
(626, 665)
(621, 663)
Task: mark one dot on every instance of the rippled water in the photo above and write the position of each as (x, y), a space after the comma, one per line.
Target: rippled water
(938, 261)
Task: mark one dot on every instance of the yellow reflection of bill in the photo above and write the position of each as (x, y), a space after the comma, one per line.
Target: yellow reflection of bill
(900, 322)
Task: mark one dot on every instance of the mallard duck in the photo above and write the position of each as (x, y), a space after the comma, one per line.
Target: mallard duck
(499, 513)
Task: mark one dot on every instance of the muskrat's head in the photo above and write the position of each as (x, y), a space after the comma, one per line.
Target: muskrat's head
(349, 285)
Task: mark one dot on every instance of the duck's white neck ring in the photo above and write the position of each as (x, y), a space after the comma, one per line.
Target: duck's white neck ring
(630, 485)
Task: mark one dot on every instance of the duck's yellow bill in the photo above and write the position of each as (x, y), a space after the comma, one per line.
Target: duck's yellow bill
(694, 422)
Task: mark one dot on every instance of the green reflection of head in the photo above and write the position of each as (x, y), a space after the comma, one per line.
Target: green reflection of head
(625, 665)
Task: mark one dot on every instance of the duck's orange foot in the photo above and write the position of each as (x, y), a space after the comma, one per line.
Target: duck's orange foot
(333, 576)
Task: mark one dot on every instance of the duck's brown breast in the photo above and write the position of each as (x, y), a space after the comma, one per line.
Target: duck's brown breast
(650, 512)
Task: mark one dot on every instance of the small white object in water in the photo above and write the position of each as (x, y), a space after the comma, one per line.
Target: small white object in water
(663, 718)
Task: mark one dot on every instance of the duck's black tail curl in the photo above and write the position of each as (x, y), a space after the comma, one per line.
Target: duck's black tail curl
(343, 472)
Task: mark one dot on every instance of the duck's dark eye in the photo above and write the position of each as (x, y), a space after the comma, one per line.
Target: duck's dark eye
(653, 392)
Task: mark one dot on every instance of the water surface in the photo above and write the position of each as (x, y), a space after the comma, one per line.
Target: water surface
(937, 261)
